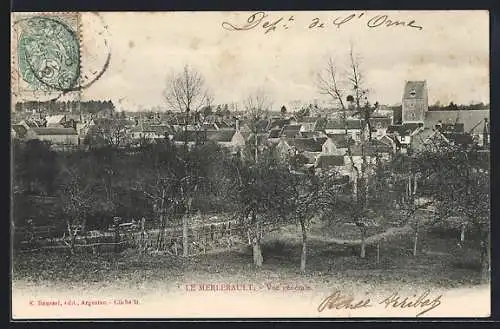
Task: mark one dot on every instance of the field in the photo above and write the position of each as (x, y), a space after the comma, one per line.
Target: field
(440, 264)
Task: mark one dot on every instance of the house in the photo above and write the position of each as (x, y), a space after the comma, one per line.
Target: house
(274, 134)
(21, 132)
(379, 125)
(402, 134)
(472, 122)
(308, 124)
(331, 157)
(415, 102)
(277, 123)
(291, 131)
(192, 137)
(210, 126)
(428, 139)
(56, 120)
(29, 123)
(221, 137)
(341, 141)
(388, 141)
(151, 132)
(58, 137)
(353, 127)
(310, 148)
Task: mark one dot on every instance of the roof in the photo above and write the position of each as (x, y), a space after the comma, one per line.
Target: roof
(382, 122)
(225, 135)
(192, 135)
(290, 131)
(53, 119)
(452, 128)
(459, 138)
(370, 148)
(386, 140)
(340, 140)
(31, 123)
(275, 133)
(307, 126)
(278, 123)
(403, 130)
(158, 129)
(472, 119)
(307, 144)
(340, 124)
(326, 161)
(312, 134)
(20, 130)
(426, 136)
(109, 121)
(209, 126)
(415, 89)
(54, 131)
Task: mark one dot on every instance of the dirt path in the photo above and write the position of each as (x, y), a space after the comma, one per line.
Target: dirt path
(371, 240)
(387, 235)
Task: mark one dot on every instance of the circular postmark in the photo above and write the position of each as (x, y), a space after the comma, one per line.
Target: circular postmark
(48, 54)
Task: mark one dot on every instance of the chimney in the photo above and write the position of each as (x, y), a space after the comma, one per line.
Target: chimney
(237, 124)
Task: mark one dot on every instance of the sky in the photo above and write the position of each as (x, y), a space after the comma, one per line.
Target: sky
(450, 52)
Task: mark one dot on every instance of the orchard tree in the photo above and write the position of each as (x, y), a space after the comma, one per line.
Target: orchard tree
(460, 186)
(346, 87)
(261, 196)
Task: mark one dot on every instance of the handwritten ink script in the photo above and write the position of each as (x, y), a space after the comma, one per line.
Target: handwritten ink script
(421, 302)
(267, 23)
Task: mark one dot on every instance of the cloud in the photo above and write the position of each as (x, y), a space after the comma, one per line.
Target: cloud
(451, 53)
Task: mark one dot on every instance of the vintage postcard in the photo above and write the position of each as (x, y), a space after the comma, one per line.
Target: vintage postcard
(266, 164)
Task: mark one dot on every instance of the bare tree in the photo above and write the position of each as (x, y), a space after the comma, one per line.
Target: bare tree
(209, 98)
(330, 83)
(110, 132)
(185, 92)
(344, 87)
(257, 106)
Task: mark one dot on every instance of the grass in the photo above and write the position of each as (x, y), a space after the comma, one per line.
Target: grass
(440, 263)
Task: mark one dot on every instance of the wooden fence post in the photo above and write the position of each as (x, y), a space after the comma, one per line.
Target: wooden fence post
(117, 221)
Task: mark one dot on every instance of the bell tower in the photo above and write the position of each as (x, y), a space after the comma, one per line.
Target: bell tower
(415, 103)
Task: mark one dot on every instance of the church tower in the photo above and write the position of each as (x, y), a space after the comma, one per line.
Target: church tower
(415, 103)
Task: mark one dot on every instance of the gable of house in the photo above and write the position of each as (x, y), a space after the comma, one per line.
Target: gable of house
(238, 139)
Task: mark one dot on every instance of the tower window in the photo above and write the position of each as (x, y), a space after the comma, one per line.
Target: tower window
(413, 93)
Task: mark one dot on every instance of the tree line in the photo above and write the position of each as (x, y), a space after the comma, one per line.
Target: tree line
(53, 106)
